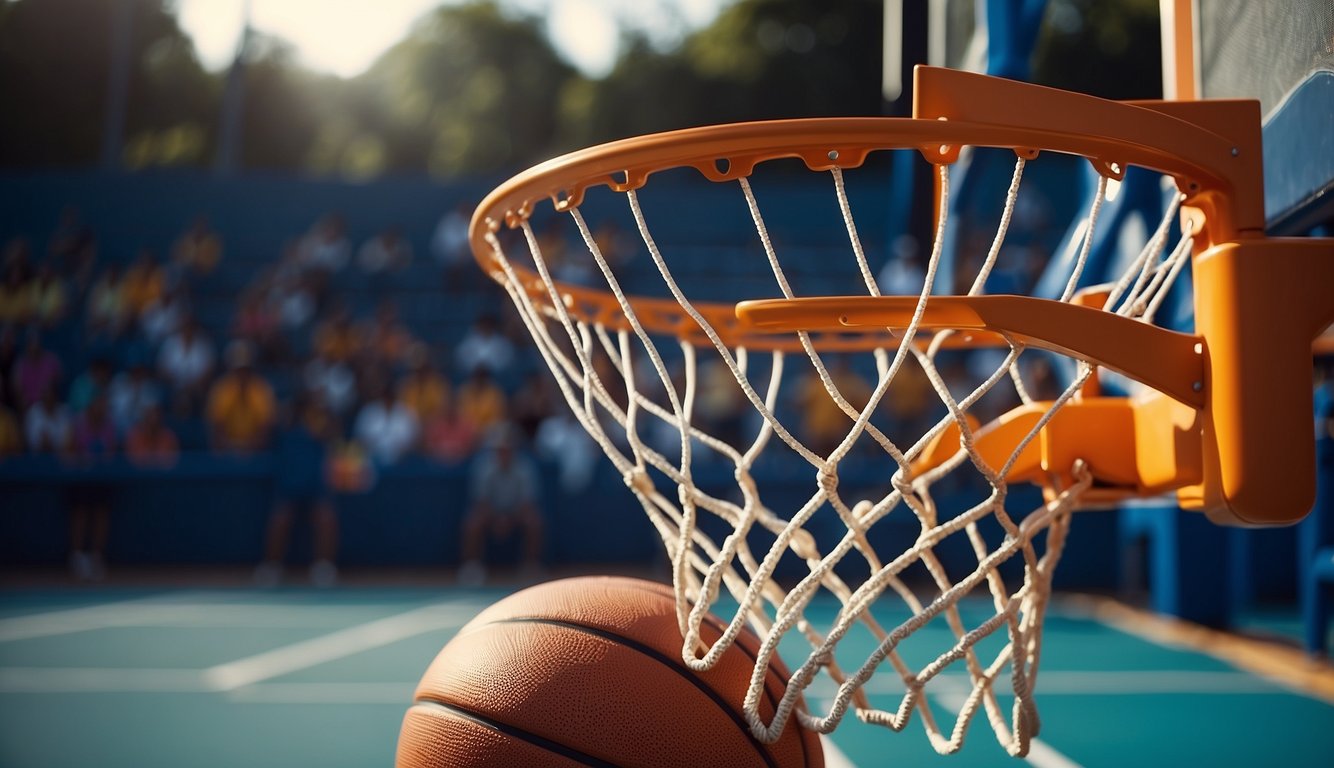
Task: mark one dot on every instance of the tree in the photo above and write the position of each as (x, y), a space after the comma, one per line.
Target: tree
(54, 59)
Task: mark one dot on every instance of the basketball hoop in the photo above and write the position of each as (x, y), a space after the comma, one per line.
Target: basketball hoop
(1211, 423)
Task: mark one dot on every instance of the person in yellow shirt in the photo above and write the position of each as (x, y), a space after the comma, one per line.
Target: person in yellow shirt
(480, 401)
(199, 249)
(241, 406)
(143, 283)
(423, 389)
(824, 424)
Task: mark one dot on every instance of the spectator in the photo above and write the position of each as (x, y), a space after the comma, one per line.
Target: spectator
(562, 439)
(325, 248)
(93, 439)
(47, 424)
(303, 486)
(36, 371)
(824, 424)
(132, 395)
(385, 252)
(143, 283)
(484, 347)
(165, 315)
(504, 496)
(150, 443)
(257, 322)
(293, 298)
(386, 426)
(15, 297)
(107, 312)
(91, 384)
(481, 403)
(73, 247)
(336, 339)
(449, 243)
(47, 300)
(902, 274)
(448, 437)
(241, 406)
(531, 405)
(199, 249)
(423, 389)
(386, 340)
(185, 362)
(332, 381)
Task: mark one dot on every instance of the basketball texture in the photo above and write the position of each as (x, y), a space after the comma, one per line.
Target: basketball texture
(588, 671)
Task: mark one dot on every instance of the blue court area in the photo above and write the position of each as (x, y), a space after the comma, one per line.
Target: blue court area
(299, 677)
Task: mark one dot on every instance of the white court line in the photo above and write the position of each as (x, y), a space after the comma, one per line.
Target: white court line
(83, 619)
(1085, 683)
(833, 756)
(336, 645)
(99, 680)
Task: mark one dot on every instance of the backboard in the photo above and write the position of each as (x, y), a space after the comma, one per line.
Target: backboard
(1282, 55)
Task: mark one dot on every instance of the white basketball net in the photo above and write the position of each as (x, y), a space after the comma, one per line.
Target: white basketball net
(620, 386)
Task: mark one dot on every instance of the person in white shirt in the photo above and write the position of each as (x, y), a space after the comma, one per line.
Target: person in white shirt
(484, 347)
(47, 424)
(185, 362)
(384, 252)
(386, 427)
(131, 395)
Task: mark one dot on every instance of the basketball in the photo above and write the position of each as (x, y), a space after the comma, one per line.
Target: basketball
(588, 671)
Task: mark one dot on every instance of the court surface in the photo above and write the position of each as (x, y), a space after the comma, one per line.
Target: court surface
(298, 677)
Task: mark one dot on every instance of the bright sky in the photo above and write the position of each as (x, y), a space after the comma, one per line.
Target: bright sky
(345, 36)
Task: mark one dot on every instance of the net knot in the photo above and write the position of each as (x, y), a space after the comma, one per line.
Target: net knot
(827, 477)
(638, 481)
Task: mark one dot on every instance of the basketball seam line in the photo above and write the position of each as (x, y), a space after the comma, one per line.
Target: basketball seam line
(515, 732)
(760, 748)
(719, 627)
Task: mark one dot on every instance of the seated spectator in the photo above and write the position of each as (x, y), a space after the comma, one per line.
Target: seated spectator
(93, 438)
(386, 427)
(36, 371)
(185, 362)
(73, 247)
(480, 401)
(47, 424)
(504, 496)
(107, 313)
(332, 381)
(325, 248)
(47, 299)
(132, 394)
(303, 487)
(143, 283)
(447, 436)
(484, 346)
(199, 249)
(385, 252)
(824, 424)
(337, 339)
(293, 298)
(15, 297)
(93, 383)
(531, 405)
(384, 339)
(563, 440)
(423, 389)
(150, 442)
(449, 244)
(241, 405)
(165, 315)
(257, 322)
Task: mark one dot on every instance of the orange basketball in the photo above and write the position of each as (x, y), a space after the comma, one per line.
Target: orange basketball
(588, 671)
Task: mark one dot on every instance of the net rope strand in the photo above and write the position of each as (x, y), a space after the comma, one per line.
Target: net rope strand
(627, 385)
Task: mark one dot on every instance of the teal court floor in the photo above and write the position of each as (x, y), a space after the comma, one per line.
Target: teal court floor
(298, 677)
